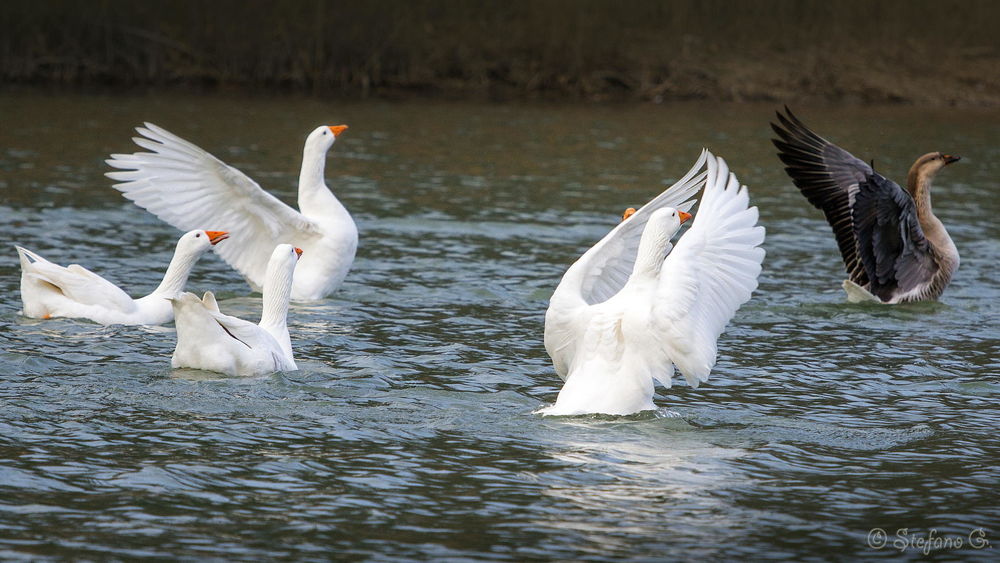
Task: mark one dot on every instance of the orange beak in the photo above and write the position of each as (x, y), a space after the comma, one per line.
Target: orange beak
(628, 213)
(215, 237)
(685, 217)
(338, 129)
(298, 252)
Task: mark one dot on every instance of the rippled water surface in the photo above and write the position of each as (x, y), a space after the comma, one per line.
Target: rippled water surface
(408, 431)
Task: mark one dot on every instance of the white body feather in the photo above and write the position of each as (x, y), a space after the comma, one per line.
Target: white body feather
(50, 290)
(669, 312)
(210, 340)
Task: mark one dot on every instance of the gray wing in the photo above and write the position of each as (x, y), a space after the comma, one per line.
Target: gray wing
(828, 176)
(891, 245)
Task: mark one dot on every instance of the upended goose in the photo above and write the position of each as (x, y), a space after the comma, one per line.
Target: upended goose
(624, 316)
(212, 341)
(895, 250)
(50, 290)
(184, 185)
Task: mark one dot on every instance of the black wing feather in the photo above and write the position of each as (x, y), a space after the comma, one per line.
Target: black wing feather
(828, 176)
(891, 245)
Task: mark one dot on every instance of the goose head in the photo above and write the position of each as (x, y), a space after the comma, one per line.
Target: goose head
(189, 249)
(198, 241)
(323, 137)
(666, 222)
(931, 162)
(281, 266)
(924, 170)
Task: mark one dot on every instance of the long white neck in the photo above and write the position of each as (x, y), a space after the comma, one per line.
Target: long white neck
(274, 317)
(177, 274)
(653, 248)
(315, 199)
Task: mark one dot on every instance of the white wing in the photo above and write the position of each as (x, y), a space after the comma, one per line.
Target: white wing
(259, 342)
(76, 282)
(191, 189)
(199, 323)
(711, 272)
(603, 270)
(209, 302)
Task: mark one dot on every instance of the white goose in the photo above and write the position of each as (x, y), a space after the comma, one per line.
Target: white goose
(50, 290)
(184, 185)
(212, 341)
(611, 335)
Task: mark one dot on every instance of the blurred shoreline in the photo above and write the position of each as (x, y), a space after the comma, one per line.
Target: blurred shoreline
(940, 53)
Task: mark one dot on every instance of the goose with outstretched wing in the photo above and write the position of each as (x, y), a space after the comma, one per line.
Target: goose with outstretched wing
(185, 186)
(894, 248)
(633, 306)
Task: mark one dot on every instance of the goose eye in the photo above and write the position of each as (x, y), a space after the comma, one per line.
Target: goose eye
(197, 235)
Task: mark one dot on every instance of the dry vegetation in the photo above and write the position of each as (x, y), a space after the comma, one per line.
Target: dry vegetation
(930, 52)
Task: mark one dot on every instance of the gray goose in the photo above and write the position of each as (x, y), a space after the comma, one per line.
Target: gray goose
(894, 248)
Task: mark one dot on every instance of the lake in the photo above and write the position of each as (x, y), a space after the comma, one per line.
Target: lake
(409, 433)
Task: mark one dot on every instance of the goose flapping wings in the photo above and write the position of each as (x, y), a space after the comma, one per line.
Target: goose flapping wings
(670, 310)
(603, 269)
(184, 185)
(881, 229)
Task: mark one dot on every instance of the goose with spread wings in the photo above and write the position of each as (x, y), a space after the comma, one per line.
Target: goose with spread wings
(184, 185)
(894, 248)
(633, 306)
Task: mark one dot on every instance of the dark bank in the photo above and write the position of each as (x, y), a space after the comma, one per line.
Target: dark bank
(941, 53)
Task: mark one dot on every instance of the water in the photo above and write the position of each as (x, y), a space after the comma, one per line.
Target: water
(408, 432)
